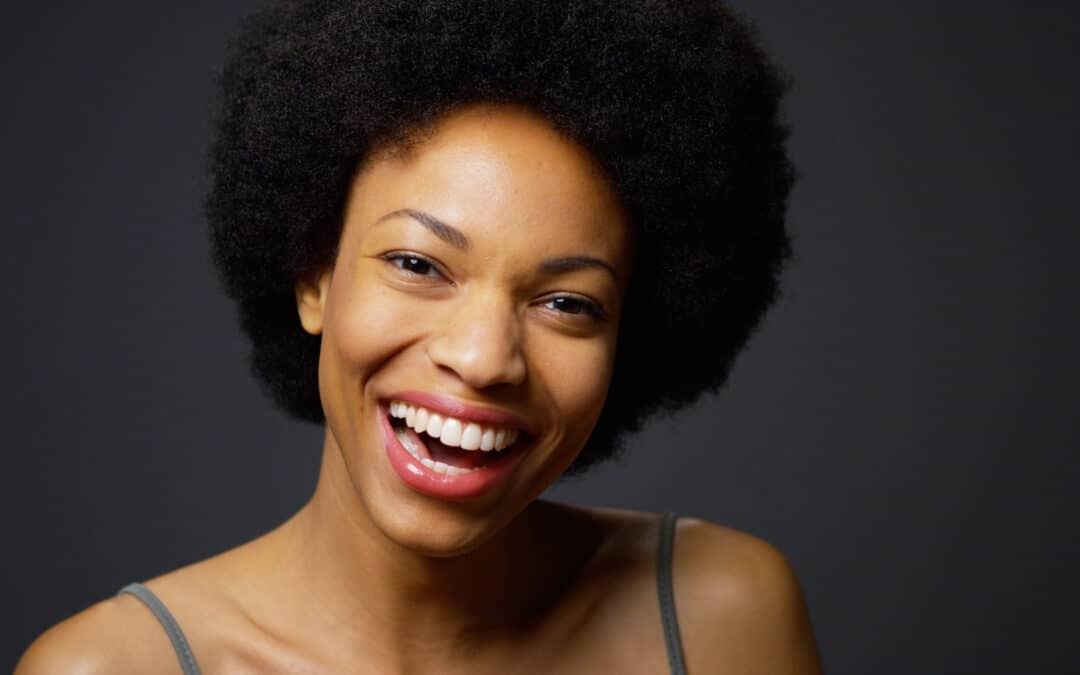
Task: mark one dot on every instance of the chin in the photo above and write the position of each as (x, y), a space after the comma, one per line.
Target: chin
(438, 532)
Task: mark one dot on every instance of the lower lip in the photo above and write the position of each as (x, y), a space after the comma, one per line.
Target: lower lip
(430, 482)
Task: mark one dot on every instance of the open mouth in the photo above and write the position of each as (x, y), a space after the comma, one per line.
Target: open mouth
(449, 446)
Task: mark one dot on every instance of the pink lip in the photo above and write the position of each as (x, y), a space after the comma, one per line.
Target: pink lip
(447, 406)
(429, 482)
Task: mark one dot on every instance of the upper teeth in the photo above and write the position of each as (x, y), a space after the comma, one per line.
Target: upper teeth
(452, 431)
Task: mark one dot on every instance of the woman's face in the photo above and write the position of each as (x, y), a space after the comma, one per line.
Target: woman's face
(480, 277)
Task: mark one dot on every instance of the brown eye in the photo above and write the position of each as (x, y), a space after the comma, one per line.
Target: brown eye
(411, 264)
(570, 304)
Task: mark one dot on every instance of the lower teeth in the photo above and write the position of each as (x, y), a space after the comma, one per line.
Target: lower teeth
(437, 467)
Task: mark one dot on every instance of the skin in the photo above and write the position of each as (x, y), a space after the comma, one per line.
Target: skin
(373, 577)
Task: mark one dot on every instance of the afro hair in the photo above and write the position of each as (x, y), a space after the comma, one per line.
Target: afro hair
(675, 99)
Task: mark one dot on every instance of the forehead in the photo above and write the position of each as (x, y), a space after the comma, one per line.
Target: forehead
(495, 172)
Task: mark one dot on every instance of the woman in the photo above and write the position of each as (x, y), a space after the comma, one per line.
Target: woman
(482, 242)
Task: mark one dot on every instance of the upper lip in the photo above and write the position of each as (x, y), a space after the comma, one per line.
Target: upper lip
(452, 407)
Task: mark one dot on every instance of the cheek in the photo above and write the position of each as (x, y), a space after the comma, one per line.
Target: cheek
(577, 376)
(356, 326)
(365, 326)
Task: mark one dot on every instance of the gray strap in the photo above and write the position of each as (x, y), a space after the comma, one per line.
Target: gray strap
(665, 588)
(172, 628)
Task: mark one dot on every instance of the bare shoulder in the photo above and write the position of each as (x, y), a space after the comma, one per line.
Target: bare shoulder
(739, 603)
(117, 635)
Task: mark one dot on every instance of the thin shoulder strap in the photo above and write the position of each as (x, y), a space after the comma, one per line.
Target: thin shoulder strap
(665, 589)
(168, 622)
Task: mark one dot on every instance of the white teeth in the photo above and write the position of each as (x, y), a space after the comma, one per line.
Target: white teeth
(470, 437)
(434, 466)
(451, 431)
(440, 467)
(434, 425)
(408, 442)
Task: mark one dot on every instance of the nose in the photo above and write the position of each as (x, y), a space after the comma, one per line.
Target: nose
(479, 339)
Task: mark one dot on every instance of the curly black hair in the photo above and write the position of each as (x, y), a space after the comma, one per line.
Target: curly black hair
(675, 99)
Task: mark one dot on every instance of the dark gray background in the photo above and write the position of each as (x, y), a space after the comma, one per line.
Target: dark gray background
(903, 426)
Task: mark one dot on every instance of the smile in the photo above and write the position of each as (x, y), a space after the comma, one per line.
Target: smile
(451, 431)
(449, 456)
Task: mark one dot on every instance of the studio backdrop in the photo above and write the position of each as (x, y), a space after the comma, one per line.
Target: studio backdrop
(902, 426)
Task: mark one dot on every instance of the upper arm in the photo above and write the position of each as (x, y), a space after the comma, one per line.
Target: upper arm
(740, 605)
(113, 636)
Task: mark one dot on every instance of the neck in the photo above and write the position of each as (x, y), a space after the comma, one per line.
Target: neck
(337, 571)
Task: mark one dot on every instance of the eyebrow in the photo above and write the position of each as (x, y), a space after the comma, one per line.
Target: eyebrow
(459, 240)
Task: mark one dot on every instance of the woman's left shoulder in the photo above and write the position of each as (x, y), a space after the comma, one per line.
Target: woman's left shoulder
(739, 603)
(737, 565)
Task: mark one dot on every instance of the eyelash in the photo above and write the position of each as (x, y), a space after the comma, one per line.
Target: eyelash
(588, 307)
(392, 257)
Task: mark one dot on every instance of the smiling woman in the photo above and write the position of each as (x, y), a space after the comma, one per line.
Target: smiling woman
(480, 308)
(481, 243)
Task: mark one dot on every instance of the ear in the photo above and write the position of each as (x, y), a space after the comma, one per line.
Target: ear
(311, 292)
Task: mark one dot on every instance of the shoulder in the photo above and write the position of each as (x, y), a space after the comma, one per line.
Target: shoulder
(117, 635)
(739, 603)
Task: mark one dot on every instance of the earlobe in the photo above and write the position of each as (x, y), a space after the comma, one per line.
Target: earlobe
(311, 291)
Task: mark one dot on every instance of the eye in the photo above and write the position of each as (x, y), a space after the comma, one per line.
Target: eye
(412, 264)
(572, 304)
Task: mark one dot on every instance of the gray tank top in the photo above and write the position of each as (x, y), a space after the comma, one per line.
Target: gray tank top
(664, 590)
